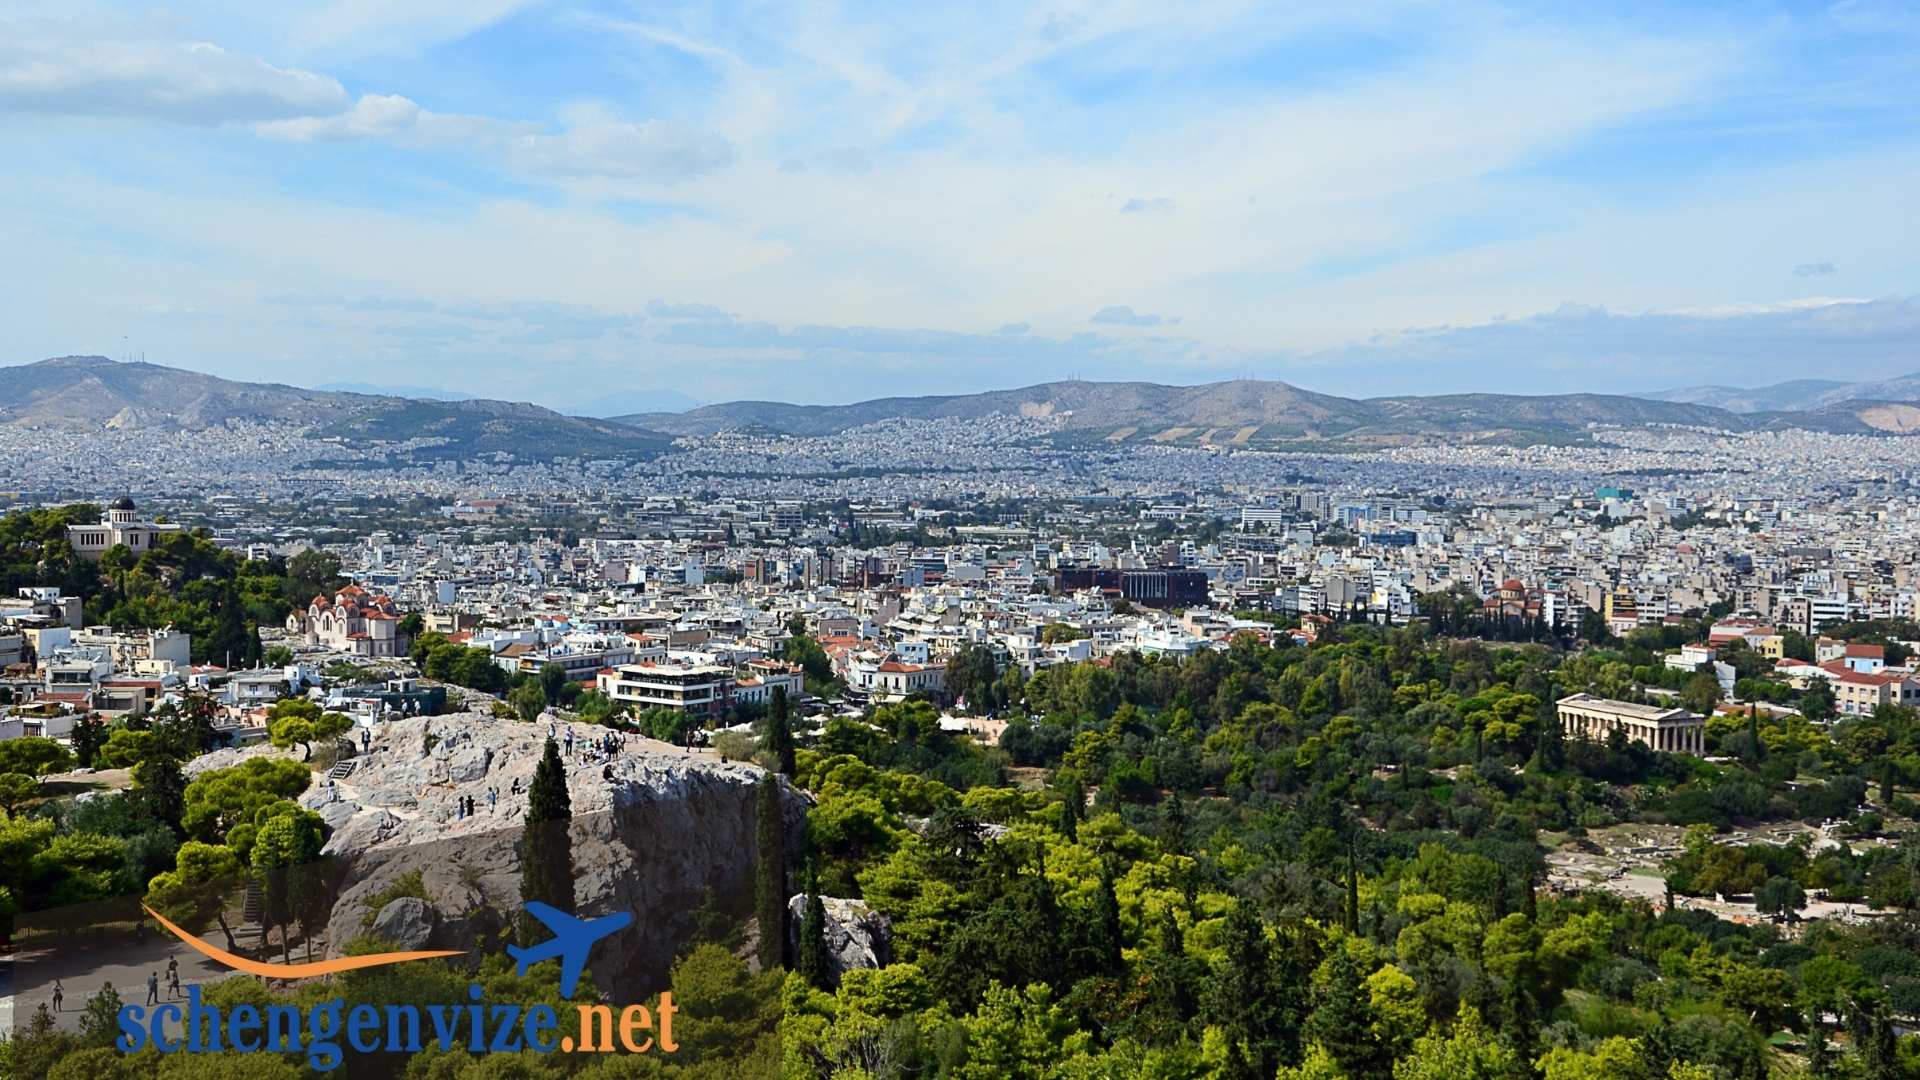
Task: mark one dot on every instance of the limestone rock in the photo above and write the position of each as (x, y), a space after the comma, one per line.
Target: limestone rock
(408, 922)
(666, 834)
(857, 936)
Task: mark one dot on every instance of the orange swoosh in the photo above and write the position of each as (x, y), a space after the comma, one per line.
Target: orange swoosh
(295, 971)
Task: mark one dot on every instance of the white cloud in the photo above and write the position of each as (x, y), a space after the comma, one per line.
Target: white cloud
(596, 143)
(593, 144)
(373, 116)
(397, 119)
(55, 69)
(1122, 315)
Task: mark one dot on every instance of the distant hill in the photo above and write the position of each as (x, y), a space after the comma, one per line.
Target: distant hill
(93, 393)
(1850, 418)
(1241, 412)
(1794, 395)
(1287, 409)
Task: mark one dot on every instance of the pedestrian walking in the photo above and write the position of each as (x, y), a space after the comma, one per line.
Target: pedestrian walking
(59, 995)
(153, 988)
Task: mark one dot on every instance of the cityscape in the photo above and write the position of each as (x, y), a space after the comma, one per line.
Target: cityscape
(581, 540)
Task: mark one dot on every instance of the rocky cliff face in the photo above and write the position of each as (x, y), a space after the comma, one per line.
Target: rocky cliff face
(664, 834)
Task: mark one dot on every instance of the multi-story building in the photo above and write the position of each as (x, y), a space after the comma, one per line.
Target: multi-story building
(763, 677)
(703, 690)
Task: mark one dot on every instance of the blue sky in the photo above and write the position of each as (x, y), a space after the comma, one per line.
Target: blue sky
(584, 203)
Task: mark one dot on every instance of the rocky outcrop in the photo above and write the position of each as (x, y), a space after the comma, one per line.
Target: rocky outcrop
(659, 832)
(857, 936)
(407, 922)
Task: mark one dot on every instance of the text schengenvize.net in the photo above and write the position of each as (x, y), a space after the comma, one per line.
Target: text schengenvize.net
(319, 1030)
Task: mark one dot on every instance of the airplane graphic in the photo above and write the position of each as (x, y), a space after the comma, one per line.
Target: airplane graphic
(572, 940)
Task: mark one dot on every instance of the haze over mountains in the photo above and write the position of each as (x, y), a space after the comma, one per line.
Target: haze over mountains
(92, 392)
(1793, 394)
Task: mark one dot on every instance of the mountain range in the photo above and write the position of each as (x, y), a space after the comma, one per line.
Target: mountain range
(1793, 394)
(93, 392)
(1262, 413)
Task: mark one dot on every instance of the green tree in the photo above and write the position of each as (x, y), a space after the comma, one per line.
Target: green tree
(32, 755)
(553, 683)
(89, 733)
(528, 700)
(160, 787)
(218, 801)
(1343, 1020)
(301, 722)
(197, 890)
(1470, 1051)
(1701, 693)
(811, 960)
(1258, 1010)
(100, 1018)
(779, 740)
(1781, 897)
(16, 788)
(289, 837)
(546, 853)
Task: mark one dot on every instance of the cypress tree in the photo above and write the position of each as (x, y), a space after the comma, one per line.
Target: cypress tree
(780, 732)
(1172, 980)
(770, 877)
(1352, 913)
(546, 850)
(1073, 804)
(811, 961)
(1103, 929)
